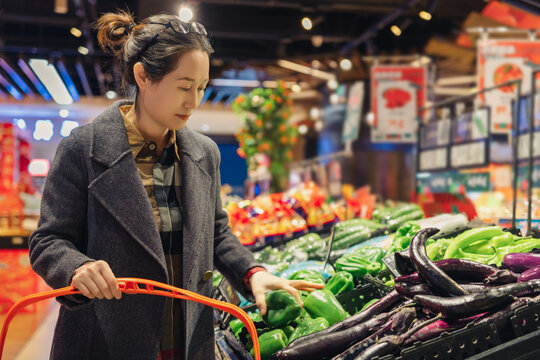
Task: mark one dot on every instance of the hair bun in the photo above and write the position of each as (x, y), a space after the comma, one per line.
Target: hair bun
(113, 30)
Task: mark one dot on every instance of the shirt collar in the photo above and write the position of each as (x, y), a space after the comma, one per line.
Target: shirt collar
(136, 141)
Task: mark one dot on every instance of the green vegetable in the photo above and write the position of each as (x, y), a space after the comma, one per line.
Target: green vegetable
(357, 265)
(470, 236)
(397, 221)
(271, 342)
(370, 253)
(237, 325)
(481, 258)
(436, 250)
(521, 246)
(282, 308)
(482, 247)
(288, 330)
(341, 281)
(403, 236)
(506, 239)
(369, 303)
(322, 303)
(269, 255)
(351, 239)
(390, 283)
(216, 278)
(309, 326)
(308, 275)
(311, 243)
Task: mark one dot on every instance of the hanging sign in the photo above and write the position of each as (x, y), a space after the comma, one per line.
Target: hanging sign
(396, 94)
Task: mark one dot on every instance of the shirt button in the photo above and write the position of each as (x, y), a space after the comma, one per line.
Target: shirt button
(152, 146)
(207, 275)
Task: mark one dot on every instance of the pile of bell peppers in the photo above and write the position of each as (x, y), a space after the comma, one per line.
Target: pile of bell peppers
(362, 261)
(286, 320)
(486, 245)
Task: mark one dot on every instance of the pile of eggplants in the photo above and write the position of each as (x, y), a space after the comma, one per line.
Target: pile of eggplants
(438, 297)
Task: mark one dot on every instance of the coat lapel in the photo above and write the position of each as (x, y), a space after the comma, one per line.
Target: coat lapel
(119, 188)
(196, 188)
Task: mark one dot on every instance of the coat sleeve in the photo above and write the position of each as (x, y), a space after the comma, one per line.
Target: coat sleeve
(231, 258)
(58, 244)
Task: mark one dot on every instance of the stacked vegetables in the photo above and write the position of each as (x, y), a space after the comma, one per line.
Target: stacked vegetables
(395, 216)
(440, 296)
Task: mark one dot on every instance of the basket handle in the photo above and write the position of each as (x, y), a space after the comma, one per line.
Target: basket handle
(138, 286)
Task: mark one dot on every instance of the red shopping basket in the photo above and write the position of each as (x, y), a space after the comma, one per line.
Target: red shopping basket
(132, 286)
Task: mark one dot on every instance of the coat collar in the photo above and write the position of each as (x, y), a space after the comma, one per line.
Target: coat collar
(110, 142)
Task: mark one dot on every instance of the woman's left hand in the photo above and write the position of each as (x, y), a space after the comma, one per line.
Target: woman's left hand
(261, 282)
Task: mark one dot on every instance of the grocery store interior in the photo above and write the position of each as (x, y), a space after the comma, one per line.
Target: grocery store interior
(348, 130)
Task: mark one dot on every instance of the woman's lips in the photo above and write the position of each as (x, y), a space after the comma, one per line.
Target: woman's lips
(183, 117)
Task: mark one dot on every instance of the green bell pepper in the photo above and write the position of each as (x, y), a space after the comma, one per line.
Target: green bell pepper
(288, 330)
(311, 243)
(357, 266)
(370, 253)
(271, 342)
(269, 255)
(309, 326)
(341, 281)
(436, 250)
(282, 308)
(322, 303)
(237, 325)
(308, 275)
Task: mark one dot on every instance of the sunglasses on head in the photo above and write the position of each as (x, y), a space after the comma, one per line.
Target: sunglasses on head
(178, 27)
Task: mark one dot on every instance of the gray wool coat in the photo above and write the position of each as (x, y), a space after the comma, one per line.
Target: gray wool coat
(94, 207)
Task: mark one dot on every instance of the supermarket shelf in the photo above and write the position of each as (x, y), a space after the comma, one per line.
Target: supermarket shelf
(14, 242)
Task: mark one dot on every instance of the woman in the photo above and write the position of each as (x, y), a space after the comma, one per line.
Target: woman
(136, 193)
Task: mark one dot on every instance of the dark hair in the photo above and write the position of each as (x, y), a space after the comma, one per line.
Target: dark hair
(119, 34)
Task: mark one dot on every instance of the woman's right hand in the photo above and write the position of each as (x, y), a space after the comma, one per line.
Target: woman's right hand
(96, 280)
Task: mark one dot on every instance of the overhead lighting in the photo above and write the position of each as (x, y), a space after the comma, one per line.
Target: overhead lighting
(395, 30)
(37, 84)
(317, 40)
(314, 113)
(296, 88)
(67, 127)
(185, 14)
(48, 75)
(316, 64)
(75, 32)
(305, 70)
(345, 64)
(111, 94)
(332, 64)
(82, 50)
(64, 113)
(67, 80)
(82, 77)
(10, 88)
(424, 15)
(332, 84)
(21, 124)
(61, 6)
(319, 126)
(236, 83)
(334, 99)
(306, 23)
(39, 167)
(370, 118)
(43, 130)
(18, 80)
(205, 127)
(303, 129)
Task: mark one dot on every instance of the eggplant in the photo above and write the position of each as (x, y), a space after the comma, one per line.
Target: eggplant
(463, 269)
(430, 331)
(330, 344)
(427, 268)
(500, 318)
(390, 343)
(397, 324)
(410, 290)
(387, 302)
(530, 274)
(520, 262)
(471, 304)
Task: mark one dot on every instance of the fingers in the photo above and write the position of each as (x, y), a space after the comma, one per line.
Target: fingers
(294, 292)
(96, 279)
(260, 300)
(305, 285)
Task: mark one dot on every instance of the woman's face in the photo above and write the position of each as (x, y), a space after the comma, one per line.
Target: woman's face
(172, 100)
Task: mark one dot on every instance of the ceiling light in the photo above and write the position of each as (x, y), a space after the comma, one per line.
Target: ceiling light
(317, 40)
(345, 64)
(82, 50)
(111, 94)
(67, 80)
(305, 70)
(424, 15)
(37, 84)
(48, 75)
(296, 88)
(302, 129)
(334, 99)
(186, 14)
(307, 24)
(332, 64)
(332, 84)
(20, 123)
(43, 130)
(39, 167)
(314, 113)
(395, 30)
(75, 32)
(64, 113)
(316, 64)
(67, 127)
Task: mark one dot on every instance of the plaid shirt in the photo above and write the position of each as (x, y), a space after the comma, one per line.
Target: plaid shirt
(162, 181)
